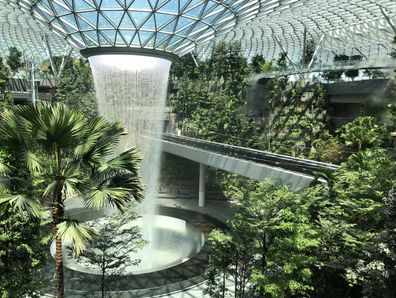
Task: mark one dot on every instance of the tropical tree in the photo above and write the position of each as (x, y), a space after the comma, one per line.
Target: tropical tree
(14, 59)
(282, 60)
(276, 223)
(309, 52)
(361, 133)
(284, 240)
(220, 260)
(354, 240)
(267, 66)
(210, 102)
(22, 254)
(256, 63)
(4, 76)
(327, 148)
(392, 112)
(111, 252)
(75, 87)
(70, 153)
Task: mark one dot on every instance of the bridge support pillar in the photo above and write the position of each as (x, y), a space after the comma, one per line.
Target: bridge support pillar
(202, 175)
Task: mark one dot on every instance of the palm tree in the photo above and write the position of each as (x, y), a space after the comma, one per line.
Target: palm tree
(70, 153)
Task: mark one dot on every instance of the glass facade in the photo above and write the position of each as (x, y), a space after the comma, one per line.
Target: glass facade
(266, 27)
(19, 29)
(173, 26)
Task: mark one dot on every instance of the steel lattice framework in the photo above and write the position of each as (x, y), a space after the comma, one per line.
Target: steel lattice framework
(266, 27)
(364, 27)
(21, 30)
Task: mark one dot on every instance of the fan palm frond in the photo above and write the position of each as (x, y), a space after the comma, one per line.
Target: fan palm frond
(22, 203)
(114, 196)
(128, 160)
(76, 233)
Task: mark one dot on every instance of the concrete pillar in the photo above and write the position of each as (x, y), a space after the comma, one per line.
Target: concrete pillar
(202, 175)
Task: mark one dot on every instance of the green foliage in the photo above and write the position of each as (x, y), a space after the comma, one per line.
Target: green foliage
(14, 59)
(282, 61)
(6, 102)
(326, 240)
(110, 251)
(328, 148)
(341, 58)
(4, 76)
(392, 112)
(275, 222)
(211, 104)
(22, 255)
(256, 63)
(361, 133)
(284, 239)
(220, 260)
(60, 135)
(184, 67)
(75, 87)
(332, 75)
(352, 73)
(260, 65)
(351, 218)
(335, 75)
(267, 66)
(298, 116)
(309, 51)
(71, 154)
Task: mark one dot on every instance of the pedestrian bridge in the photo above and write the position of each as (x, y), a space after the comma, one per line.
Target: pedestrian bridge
(250, 163)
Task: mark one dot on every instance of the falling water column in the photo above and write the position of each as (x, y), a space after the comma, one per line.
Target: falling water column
(131, 89)
(201, 195)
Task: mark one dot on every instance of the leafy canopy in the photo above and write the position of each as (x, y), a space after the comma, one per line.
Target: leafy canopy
(70, 156)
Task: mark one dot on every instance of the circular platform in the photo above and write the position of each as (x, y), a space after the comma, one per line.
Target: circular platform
(177, 277)
(171, 241)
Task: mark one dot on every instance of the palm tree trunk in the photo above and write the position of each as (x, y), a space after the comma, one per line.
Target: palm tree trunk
(58, 211)
(57, 215)
(103, 276)
(59, 269)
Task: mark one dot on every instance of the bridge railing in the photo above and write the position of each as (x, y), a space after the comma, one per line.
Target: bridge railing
(378, 63)
(296, 164)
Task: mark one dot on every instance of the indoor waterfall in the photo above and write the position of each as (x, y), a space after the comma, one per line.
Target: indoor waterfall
(131, 89)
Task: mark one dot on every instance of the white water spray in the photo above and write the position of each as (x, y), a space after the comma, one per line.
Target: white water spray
(132, 89)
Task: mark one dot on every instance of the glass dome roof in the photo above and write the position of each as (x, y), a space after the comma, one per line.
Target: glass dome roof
(267, 27)
(174, 26)
(19, 29)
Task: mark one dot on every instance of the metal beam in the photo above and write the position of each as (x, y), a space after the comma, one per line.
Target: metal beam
(49, 52)
(33, 84)
(195, 61)
(316, 51)
(66, 57)
(283, 50)
(387, 18)
(304, 53)
(361, 53)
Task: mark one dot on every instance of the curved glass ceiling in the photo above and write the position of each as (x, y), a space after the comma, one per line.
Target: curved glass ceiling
(175, 26)
(267, 27)
(351, 27)
(19, 29)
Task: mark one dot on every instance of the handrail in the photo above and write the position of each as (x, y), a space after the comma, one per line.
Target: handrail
(379, 63)
(307, 166)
